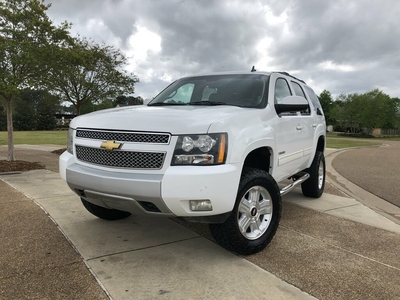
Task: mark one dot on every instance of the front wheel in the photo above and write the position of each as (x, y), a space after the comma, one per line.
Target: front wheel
(105, 213)
(255, 217)
(314, 186)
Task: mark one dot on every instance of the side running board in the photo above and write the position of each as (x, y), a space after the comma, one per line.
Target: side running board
(291, 186)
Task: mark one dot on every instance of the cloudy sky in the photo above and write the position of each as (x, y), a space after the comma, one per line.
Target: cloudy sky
(342, 46)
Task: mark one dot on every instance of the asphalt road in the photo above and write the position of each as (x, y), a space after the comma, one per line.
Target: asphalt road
(376, 170)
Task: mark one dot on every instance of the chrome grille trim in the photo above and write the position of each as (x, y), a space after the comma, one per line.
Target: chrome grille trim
(121, 159)
(124, 136)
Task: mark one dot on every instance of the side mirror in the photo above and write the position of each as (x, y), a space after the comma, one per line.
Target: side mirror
(291, 104)
(147, 101)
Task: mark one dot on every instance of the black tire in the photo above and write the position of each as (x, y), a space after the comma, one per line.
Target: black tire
(229, 235)
(314, 186)
(105, 213)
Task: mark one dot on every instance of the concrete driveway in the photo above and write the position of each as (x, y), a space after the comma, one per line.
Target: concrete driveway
(329, 248)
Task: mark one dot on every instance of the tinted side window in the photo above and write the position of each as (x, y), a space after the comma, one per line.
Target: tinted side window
(297, 89)
(282, 90)
(313, 98)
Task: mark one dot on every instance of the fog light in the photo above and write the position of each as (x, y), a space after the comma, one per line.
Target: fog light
(200, 205)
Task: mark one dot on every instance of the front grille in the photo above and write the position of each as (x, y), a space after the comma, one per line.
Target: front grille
(134, 137)
(121, 159)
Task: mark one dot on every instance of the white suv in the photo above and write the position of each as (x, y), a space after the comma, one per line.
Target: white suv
(209, 148)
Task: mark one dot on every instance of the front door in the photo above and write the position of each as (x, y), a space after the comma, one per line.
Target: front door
(291, 133)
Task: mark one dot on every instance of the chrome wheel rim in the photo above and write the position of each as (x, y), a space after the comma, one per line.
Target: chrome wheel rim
(254, 212)
(320, 174)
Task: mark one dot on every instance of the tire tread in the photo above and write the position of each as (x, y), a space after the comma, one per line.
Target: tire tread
(105, 213)
(227, 235)
(310, 186)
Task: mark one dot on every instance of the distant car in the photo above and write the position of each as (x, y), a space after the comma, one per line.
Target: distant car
(209, 148)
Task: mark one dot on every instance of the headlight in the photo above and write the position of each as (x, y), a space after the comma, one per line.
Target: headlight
(70, 139)
(202, 149)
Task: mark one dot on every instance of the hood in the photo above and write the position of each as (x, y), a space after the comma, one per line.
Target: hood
(173, 119)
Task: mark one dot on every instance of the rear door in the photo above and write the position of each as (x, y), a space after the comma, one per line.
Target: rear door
(306, 125)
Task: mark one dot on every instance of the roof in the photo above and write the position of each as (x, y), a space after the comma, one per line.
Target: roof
(242, 73)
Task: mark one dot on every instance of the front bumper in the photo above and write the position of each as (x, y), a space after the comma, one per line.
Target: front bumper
(158, 194)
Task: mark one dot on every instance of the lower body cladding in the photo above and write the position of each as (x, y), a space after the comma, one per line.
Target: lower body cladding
(198, 193)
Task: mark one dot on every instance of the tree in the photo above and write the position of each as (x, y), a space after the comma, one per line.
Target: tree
(369, 111)
(91, 73)
(28, 40)
(91, 107)
(396, 104)
(3, 118)
(24, 116)
(325, 98)
(130, 100)
(376, 110)
(46, 107)
(345, 112)
(35, 110)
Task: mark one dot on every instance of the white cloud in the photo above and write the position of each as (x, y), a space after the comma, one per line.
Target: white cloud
(99, 30)
(342, 46)
(330, 65)
(275, 20)
(141, 44)
(263, 48)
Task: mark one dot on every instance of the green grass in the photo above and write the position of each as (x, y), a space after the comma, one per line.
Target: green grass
(332, 134)
(385, 138)
(56, 137)
(346, 143)
(59, 137)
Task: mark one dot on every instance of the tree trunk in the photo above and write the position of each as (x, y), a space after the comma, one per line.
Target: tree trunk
(78, 108)
(11, 156)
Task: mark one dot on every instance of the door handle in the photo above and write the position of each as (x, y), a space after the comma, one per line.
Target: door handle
(299, 127)
(314, 125)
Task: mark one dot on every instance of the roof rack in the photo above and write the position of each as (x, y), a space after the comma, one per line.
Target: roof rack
(287, 74)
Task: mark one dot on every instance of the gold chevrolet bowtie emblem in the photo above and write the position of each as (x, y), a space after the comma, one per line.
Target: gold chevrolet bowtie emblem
(110, 145)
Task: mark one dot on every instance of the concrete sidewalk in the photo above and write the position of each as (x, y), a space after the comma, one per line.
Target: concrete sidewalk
(149, 258)
(332, 248)
(156, 258)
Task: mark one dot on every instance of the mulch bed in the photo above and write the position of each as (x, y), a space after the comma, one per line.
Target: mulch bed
(59, 151)
(23, 166)
(19, 165)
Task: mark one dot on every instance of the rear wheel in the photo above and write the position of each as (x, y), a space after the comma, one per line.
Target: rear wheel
(314, 186)
(255, 217)
(105, 213)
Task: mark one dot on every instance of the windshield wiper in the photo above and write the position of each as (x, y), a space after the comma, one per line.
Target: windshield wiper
(207, 103)
(165, 104)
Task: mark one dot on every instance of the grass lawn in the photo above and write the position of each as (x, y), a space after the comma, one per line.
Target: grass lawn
(346, 143)
(386, 138)
(59, 137)
(56, 137)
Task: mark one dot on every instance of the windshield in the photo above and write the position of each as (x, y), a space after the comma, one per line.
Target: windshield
(246, 90)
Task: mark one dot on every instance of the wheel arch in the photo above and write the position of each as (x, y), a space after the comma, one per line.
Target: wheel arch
(318, 147)
(321, 144)
(260, 158)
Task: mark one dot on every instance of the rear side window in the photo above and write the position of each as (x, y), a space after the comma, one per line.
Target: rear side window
(313, 98)
(282, 90)
(298, 90)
